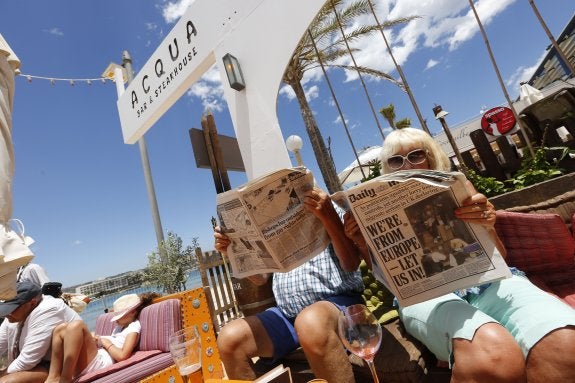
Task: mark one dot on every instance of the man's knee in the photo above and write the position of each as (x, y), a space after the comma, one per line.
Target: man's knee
(231, 336)
(316, 326)
(316, 318)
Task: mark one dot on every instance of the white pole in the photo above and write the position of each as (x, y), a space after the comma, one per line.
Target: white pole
(119, 79)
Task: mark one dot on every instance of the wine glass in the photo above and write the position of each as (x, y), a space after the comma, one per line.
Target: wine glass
(361, 334)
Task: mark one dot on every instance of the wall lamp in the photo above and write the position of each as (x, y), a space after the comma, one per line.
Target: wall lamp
(234, 72)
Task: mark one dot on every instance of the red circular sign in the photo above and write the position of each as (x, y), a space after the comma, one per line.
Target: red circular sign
(498, 121)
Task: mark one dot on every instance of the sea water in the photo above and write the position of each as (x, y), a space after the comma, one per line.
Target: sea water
(100, 305)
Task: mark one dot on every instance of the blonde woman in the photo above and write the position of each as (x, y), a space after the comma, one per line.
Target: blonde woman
(506, 331)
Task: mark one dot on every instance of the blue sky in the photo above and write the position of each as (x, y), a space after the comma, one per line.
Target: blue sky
(80, 191)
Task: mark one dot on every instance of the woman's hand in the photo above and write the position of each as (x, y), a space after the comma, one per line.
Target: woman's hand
(477, 209)
(352, 230)
(221, 241)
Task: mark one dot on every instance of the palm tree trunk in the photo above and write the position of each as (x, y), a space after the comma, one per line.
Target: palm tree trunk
(358, 72)
(324, 162)
(400, 71)
(492, 57)
(336, 103)
(553, 41)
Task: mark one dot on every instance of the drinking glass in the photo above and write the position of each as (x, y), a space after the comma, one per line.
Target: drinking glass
(186, 350)
(361, 334)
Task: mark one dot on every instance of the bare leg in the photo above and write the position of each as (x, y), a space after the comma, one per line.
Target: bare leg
(73, 348)
(36, 375)
(491, 356)
(316, 327)
(57, 350)
(241, 340)
(552, 359)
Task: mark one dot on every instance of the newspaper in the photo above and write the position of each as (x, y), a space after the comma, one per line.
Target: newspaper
(408, 221)
(269, 228)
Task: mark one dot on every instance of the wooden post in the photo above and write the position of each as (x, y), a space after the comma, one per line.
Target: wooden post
(215, 145)
(486, 154)
(211, 156)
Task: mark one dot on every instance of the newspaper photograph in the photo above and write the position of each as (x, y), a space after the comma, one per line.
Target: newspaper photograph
(269, 228)
(409, 224)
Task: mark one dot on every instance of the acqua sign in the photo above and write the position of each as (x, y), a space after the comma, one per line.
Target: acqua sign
(498, 121)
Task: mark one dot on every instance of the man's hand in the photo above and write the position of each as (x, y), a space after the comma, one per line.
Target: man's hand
(319, 204)
(221, 241)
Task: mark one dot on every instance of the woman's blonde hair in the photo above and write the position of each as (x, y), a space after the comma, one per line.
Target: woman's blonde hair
(401, 138)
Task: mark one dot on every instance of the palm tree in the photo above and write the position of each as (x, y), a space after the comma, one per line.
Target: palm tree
(403, 123)
(496, 68)
(400, 71)
(331, 47)
(550, 35)
(388, 112)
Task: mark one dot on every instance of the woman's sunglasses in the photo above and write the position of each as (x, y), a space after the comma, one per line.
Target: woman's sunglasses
(415, 157)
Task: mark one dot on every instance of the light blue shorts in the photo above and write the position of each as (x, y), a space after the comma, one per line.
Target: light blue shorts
(526, 311)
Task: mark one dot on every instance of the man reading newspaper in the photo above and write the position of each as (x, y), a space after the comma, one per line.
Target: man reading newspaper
(309, 297)
(505, 331)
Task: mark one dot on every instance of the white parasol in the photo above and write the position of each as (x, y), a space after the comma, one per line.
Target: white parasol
(8, 65)
(527, 96)
(353, 172)
(14, 251)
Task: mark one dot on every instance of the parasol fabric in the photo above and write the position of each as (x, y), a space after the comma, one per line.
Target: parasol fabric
(8, 65)
(353, 172)
(529, 95)
(14, 250)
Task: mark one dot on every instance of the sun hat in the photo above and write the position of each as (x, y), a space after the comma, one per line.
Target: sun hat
(124, 305)
(25, 291)
(78, 302)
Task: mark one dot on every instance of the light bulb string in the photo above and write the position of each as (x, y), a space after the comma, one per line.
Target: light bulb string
(71, 81)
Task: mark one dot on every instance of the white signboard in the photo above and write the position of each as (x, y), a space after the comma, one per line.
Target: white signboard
(261, 34)
(181, 59)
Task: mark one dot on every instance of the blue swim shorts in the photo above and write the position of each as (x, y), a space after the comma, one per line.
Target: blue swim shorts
(281, 329)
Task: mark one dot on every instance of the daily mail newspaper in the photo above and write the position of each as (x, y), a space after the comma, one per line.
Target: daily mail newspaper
(410, 227)
(269, 228)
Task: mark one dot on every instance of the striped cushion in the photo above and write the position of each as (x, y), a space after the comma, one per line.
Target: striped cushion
(159, 321)
(139, 371)
(138, 357)
(104, 324)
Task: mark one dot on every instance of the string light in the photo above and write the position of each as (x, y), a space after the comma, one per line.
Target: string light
(71, 81)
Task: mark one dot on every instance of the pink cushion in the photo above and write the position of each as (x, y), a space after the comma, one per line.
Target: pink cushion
(138, 357)
(104, 324)
(140, 371)
(536, 243)
(159, 321)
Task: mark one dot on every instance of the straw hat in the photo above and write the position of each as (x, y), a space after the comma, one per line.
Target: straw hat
(125, 304)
